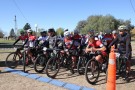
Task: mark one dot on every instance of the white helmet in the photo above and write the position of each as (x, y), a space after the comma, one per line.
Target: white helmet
(67, 33)
(29, 30)
(114, 32)
(122, 27)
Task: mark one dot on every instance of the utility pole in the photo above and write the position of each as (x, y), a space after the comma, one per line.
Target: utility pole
(15, 26)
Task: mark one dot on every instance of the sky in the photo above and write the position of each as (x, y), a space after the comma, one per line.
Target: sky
(60, 13)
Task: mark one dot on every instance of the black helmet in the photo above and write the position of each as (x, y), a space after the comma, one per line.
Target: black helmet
(51, 30)
(44, 32)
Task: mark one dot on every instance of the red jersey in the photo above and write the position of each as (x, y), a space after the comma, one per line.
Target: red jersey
(108, 38)
(23, 37)
(97, 44)
(68, 43)
(32, 38)
(77, 36)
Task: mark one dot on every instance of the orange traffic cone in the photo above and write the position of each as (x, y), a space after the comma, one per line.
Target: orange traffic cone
(111, 78)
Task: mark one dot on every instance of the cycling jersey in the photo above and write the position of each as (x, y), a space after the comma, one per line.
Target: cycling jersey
(86, 42)
(22, 38)
(42, 39)
(52, 40)
(97, 44)
(124, 44)
(68, 43)
(108, 38)
(76, 40)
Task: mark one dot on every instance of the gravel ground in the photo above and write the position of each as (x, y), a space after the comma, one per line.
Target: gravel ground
(9, 81)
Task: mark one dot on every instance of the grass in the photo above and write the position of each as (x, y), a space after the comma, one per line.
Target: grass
(6, 41)
(6, 50)
(10, 41)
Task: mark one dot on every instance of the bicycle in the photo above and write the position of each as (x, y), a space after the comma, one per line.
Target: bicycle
(14, 58)
(61, 59)
(83, 59)
(27, 60)
(41, 60)
(93, 69)
(121, 65)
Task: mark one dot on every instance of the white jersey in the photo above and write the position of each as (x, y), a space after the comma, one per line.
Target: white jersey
(42, 39)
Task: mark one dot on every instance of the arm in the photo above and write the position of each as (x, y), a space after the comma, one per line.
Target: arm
(25, 42)
(16, 41)
(113, 42)
(101, 49)
(128, 40)
(55, 42)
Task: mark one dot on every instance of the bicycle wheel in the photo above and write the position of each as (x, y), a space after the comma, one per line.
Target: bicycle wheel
(40, 63)
(12, 60)
(81, 65)
(92, 71)
(52, 67)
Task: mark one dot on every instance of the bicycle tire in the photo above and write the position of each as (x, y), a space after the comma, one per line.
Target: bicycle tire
(14, 62)
(40, 61)
(53, 63)
(92, 68)
(81, 65)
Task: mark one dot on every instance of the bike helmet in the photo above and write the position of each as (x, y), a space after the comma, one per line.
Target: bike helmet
(22, 32)
(65, 30)
(67, 33)
(122, 27)
(51, 30)
(29, 30)
(114, 32)
(43, 32)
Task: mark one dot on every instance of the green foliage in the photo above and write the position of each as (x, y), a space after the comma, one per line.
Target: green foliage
(1, 34)
(12, 33)
(60, 31)
(27, 26)
(101, 23)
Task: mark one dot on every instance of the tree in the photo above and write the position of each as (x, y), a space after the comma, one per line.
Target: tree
(27, 26)
(81, 25)
(12, 33)
(101, 23)
(60, 31)
(1, 34)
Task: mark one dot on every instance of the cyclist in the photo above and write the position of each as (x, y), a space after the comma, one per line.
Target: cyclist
(22, 37)
(100, 36)
(52, 38)
(77, 38)
(114, 34)
(123, 40)
(96, 45)
(128, 32)
(42, 39)
(31, 43)
(91, 32)
(70, 45)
